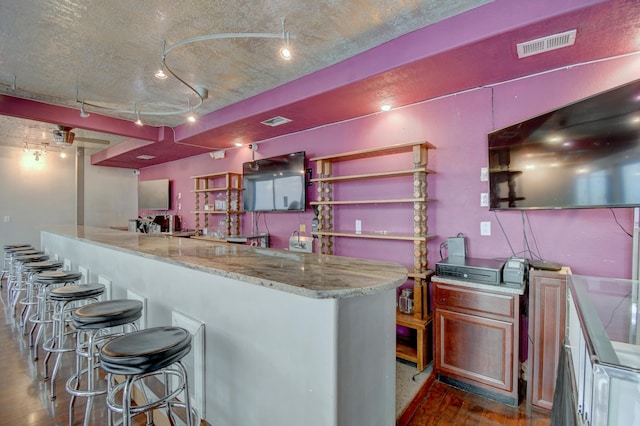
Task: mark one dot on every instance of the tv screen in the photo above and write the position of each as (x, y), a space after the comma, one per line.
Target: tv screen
(154, 195)
(275, 184)
(584, 155)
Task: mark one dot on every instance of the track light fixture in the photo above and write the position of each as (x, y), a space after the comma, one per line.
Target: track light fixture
(200, 93)
(285, 50)
(160, 74)
(83, 112)
(191, 117)
(138, 121)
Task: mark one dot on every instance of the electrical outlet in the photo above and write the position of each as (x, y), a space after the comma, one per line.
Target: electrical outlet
(485, 228)
(179, 195)
(484, 199)
(303, 227)
(484, 174)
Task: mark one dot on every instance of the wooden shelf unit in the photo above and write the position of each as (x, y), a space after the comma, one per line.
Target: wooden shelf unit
(416, 348)
(229, 184)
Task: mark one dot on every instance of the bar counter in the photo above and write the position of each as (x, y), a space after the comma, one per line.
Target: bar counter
(279, 337)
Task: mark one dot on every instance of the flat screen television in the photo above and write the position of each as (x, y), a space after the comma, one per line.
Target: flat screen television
(275, 184)
(154, 195)
(583, 155)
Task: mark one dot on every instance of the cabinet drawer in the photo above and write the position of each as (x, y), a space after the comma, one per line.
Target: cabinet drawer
(471, 299)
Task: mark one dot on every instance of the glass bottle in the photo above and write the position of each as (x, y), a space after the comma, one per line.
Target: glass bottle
(405, 301)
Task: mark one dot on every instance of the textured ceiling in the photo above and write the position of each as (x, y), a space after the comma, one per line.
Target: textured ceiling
(106, 52)
(348, 56)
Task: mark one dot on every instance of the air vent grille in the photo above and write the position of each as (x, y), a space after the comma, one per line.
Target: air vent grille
(546, 44)
(275, 121)
(146, 157)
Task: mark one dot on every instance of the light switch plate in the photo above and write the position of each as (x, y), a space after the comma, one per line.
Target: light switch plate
(484, 174)
(484, 199)
(485, 228)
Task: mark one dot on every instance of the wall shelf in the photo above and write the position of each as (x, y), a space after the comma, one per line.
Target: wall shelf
(417, 346)
(226, 188)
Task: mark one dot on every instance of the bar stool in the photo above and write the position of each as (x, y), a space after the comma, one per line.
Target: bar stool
(11, 256)
(93, 323)
(18, 283)
(30, 300)
(147, 353)
(65, 299)
(44, 282)
(8, 248)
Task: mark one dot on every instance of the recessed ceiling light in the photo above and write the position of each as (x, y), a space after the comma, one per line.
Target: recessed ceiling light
(145, 157)
(386, 107)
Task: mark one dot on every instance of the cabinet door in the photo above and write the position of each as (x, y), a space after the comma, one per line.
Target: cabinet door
(547, 312)
(475, 348)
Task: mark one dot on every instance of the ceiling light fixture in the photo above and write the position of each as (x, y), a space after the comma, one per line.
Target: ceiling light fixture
(138, 120)
(285, 50)
(160, 75)
(191, 117)
(37, 152)
(83, 112)
(201, 93)
(386, 107)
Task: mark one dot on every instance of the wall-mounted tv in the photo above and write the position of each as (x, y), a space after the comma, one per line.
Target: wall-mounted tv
(583, 155)
(275, 184)
(154, 195)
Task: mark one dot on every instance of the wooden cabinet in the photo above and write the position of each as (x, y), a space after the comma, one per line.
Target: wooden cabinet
(547, 319)
(218, 195)
(476, 334)
(416, 348)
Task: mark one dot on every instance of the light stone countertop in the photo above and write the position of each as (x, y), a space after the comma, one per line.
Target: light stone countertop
(502, 288)
(311, 275)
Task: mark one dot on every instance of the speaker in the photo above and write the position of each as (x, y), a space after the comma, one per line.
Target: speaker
(456, 247)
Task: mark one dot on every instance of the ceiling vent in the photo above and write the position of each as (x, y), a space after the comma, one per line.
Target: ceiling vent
(545, 44)
(275, 121)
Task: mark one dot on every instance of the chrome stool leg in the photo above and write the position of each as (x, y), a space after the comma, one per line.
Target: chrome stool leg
(146, 354)
(66, 298)
(95, 323)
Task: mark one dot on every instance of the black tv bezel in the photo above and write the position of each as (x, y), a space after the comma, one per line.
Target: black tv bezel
(161, 188)
(299, 155)
(587, 103)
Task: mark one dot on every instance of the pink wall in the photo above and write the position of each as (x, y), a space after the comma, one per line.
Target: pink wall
(589, 241)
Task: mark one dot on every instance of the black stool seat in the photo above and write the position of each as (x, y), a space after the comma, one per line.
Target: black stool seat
(75, 292)
(107, 314)
(42, 265)
(11, 247)
(57, 276)
(24, 252)
(34, 257)
(145, 351)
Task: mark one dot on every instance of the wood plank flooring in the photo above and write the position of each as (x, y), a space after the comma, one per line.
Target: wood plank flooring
(24, 396)
(441, 404)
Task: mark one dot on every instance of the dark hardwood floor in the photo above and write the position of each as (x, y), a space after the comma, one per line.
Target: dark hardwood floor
(441, 404)
(24, 396)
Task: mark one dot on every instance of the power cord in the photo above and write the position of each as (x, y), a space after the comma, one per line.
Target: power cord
(616, 219)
